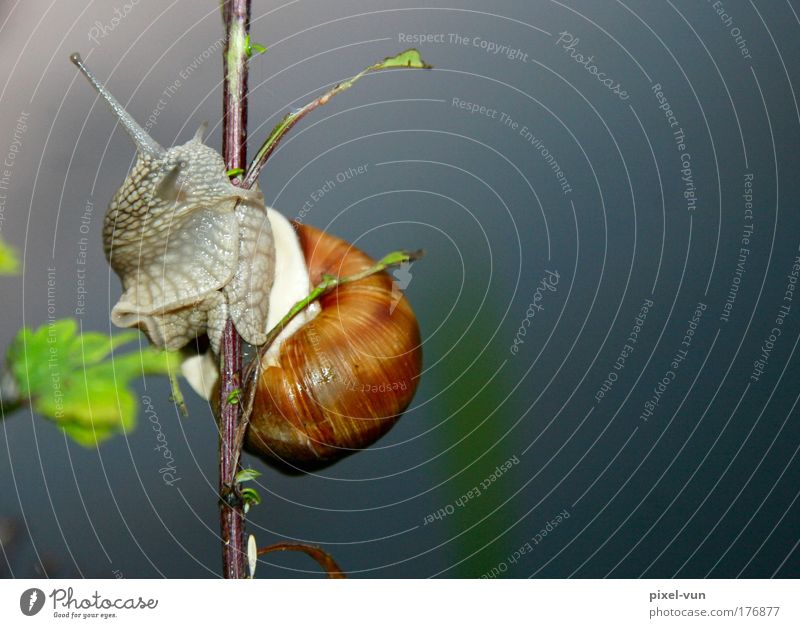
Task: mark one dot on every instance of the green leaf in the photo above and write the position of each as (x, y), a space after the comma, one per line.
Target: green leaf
(250, 47)
(246, 475)
(176, 395)
(251, 497)
(79, 381)
(96, 346)
(400, 257)
(407, 59)
(234, 172)
(9, 262)
(234, 396)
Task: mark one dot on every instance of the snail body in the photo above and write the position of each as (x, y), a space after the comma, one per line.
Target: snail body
(191, 250)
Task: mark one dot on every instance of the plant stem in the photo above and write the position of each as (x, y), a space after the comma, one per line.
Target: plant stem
(236, 18)
(317, 553)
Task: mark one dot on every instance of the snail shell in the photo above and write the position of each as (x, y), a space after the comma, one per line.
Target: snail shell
(340, 381)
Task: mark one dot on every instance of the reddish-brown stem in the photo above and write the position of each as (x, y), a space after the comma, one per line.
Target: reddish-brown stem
(324, 559)
(251, 176)
(236, 17)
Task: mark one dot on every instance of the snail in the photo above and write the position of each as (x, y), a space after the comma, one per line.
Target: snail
(345, 376)
(191, 249)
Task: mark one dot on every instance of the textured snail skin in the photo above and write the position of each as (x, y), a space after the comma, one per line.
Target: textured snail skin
(190, 248)
(343, 379)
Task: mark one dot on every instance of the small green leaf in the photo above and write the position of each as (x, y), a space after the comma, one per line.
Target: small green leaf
(9, 262)
(246, 475)
(400, 257)
(234, 172)
(234, 396)
(96, 346)
(176, 395)
(407, 59)
(251, 497)
(70, 378)
(250, 47)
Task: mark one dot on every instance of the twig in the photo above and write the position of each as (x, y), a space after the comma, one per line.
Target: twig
(236, 18)
(317, 553)
(407, 59)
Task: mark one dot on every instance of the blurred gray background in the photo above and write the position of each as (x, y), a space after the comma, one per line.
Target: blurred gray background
(705, 486)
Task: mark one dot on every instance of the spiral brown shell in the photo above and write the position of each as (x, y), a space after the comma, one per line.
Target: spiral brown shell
(345, 377)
